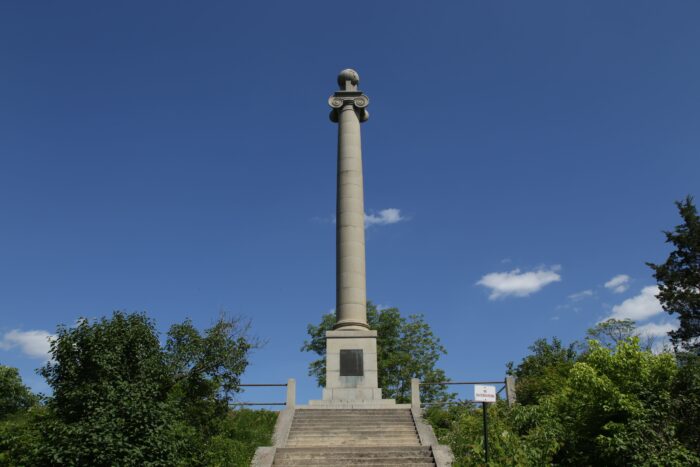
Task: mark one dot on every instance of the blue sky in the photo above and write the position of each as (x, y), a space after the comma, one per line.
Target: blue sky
(177, 158)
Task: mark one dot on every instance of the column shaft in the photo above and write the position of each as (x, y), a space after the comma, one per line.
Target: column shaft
(351, 304)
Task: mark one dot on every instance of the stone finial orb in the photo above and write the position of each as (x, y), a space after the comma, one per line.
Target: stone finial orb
(348, 74)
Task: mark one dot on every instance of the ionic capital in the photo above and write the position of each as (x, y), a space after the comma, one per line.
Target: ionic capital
(356, 99)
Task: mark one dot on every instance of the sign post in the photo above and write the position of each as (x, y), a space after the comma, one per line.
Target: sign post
(485, 394)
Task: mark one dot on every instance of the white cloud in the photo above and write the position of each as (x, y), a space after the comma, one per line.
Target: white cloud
(518, 284)
(655, 329)
(618, 284)
(384, 217)
(578, 296)
(35, 344)
(640, 306)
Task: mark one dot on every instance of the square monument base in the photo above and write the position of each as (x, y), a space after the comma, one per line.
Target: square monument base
(351, 373)
(351, 366)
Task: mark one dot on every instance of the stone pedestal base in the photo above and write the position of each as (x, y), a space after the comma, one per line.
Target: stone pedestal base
(351, 370)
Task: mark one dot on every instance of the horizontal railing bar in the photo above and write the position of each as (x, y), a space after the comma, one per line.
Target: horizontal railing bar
(463, 382)
(451, 403)
(258, 403)
(266, 385)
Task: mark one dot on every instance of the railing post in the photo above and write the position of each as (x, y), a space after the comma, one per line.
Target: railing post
(415, 393)
(291, 393)
(510, 390)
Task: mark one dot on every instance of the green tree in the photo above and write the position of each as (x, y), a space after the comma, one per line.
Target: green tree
(544, 371)
(19, 412)
(14, 395)
(110, 402)
(206, 368)
(615, 409)
(679, 278)
(518, 436)
(120, 398)
(686, 400)
(406, 348)
(612, 331)
(614, 406)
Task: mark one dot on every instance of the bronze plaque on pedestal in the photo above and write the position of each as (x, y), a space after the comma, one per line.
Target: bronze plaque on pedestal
(351, 362)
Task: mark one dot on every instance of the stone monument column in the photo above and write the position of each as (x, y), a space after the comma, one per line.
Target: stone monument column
(349, 108)
(351, 347)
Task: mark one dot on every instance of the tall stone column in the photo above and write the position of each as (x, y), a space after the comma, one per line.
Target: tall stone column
(348, 110)
(351, 347)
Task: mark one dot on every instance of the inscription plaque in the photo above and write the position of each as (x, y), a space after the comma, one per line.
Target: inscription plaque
(351, 362)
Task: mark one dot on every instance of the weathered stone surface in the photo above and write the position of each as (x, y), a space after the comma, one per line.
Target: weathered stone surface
(348, 110)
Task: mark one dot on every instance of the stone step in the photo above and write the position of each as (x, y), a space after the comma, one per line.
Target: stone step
(356, 431)
(355, 411)
(363, 435)
(342, 461)
(378, 437)
(350, 452)
(386, 455)
(366, 457)
(324, 428)
(352, 420)
(346, 464)
(334, 442)
(350, 443)
(341, 412)
(330, 414)
(354, 417)
(352, 426)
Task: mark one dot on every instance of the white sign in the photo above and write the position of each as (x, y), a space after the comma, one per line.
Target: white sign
(484, 393)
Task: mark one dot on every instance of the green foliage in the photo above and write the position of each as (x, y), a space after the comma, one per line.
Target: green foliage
(120, 398)
(406, 348)
(613, 405)
(20, 438)
(241, 432)
(205, 369)
(110, 401)
(615, 408)
(612, 331)
(14, 396)
(686, 401)
(511, 442)
(679, 278)
(543, 372)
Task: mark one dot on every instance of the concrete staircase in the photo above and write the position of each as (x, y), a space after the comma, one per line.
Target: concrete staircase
(414, 456)
(362, 437)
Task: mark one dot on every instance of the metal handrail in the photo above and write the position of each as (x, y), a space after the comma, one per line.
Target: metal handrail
(258, 403)
(507, 384)
(264, 384)
(461, 382)
(291, 394)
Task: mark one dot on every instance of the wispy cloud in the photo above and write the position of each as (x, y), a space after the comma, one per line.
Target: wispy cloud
(618, 284)
(384, 217)
(35, 344)
(519, 284)
(655, 329)
(639, 307)
(578, 296)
